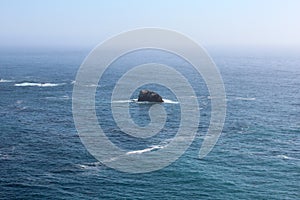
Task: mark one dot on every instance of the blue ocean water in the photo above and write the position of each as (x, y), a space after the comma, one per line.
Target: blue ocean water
(257, 155)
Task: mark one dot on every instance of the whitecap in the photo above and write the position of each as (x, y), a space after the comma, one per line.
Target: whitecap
(4, 157)
(245, 98)
(31, 84)
(286, 157)
(84, 85)
(91, 85)
(93, 165)
(64, 97)
(170, 101)
(145, 150)
(6, 81)
(124, 101)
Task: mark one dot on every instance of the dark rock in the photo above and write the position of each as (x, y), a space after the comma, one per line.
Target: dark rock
(147, 95)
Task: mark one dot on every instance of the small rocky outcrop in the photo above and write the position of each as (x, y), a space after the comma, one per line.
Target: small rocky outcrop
(147, 95)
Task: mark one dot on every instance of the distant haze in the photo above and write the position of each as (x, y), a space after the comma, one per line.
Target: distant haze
(211, 23)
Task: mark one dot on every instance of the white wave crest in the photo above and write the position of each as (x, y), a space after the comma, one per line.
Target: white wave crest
(145, 102)
(64, 97)
(6, 81)
(145, 150)
(245, 98)
(124, 101)
(4, 156)
(30, 84)
(78, 84)
(286, 157)
(93, 165)
(170, 101)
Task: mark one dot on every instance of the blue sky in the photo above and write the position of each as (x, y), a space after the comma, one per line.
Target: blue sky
(211, 23)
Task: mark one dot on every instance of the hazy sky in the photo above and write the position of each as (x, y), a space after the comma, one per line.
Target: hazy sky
(211, 22)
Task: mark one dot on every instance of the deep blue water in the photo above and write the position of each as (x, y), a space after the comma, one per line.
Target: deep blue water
(256, 157)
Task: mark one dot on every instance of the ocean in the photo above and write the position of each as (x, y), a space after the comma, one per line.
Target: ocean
(256, 157)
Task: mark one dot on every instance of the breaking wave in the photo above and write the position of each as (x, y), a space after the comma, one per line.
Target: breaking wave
(145, 150)
(92, 165)
(6, 81)
(167, 101)
(31, 84)
(245, 98)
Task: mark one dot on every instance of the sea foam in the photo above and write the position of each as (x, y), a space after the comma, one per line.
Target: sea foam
(245, 98)
(31, 84)
(145, 150)
(167, 101)
(6, 81)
